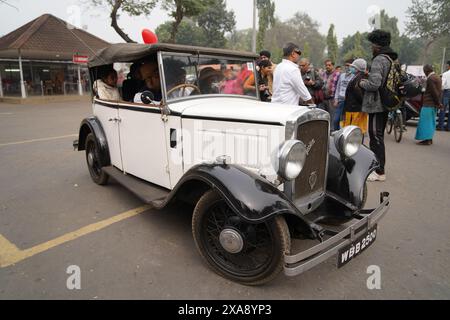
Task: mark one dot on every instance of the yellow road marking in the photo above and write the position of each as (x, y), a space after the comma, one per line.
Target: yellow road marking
(10, 254)
(37, 140)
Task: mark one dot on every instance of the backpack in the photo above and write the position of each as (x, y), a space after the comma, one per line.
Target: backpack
(391, 93)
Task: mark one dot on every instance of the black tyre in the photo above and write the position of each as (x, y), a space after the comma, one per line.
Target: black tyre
(93, 161)
(250, 254)
(390, 125)
(398, 127)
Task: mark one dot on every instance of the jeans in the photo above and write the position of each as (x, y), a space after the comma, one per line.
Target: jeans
(338, 115)
(377, 127)
(445, 102)
(327, 105)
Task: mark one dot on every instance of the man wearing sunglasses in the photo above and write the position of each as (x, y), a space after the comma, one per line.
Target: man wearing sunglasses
(288, 85)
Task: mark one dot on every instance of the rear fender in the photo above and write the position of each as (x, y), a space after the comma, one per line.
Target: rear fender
(93, 125)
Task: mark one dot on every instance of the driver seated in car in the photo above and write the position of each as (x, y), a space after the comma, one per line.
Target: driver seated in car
(176, 80)
(150, 74)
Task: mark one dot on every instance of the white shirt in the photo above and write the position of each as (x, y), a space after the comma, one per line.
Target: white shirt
(288, 86)
(106, 92)
(446, 80)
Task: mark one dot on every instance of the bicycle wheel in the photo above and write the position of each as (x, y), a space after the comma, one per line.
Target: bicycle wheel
(398, 127)
(390, 124)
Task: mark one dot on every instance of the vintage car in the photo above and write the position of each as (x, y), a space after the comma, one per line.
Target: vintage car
(256, 174)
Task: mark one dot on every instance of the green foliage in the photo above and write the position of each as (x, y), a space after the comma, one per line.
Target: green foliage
(207, 29)
(240, 40)
(430, 20)
(358, 50)
(179, 9)
(301, 29)
(215, 22)
(188, 33)
(266, 14)
(306, 50)
(332, 44)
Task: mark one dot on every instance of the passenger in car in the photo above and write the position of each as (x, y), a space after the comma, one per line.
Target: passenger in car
(133, 83)
(210, 80)
(105, 88)
(150, 74)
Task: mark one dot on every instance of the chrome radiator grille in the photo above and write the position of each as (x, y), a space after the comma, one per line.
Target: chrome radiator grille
(315, 136)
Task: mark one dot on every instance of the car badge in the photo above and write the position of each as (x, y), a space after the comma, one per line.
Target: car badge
(312, 180)
(310, 146)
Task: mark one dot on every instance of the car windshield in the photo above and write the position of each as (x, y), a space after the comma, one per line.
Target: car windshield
(189, 75)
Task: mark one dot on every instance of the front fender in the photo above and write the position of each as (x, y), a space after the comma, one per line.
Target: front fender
(93, 125)
(247, 194)
(347, 176)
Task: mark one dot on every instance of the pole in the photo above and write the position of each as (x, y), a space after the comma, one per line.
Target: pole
(22, 84)
(80, 88)
(443, 61)
(254, 27)
(1, 86)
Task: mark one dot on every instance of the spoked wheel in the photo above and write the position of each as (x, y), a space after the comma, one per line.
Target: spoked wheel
(390, 124)
(93, 161)
(398, 127)
(251, 254)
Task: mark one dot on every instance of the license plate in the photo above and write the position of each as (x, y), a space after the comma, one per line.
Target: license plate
(357, 247)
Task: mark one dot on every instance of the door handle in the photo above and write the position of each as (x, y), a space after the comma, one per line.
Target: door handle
(115, 120)
(173, 138)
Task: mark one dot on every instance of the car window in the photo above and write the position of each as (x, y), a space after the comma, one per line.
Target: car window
(189, 75)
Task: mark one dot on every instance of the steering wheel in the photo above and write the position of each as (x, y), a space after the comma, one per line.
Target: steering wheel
(183, 86)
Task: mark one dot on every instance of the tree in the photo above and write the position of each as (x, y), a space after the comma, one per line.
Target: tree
(306, 50)
(266, 19)
(391, 24)
(240, 40)
(188, 33)
(428, 19)
(358, 50)
(356, 46)
(301, 29)
(133, 8)
(332, 44)
(178, 9)
(215, 22)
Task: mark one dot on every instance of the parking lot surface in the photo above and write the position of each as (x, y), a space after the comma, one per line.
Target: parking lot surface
(53, 216)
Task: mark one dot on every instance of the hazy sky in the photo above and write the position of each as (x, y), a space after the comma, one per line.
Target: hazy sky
(348, 16)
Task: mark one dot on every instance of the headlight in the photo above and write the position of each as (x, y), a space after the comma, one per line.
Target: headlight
(348, 141)
(291, 158)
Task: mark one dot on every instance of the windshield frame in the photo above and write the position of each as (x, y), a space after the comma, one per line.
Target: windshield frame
(197, 57)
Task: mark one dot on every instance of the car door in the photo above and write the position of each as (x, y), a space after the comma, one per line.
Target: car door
(108, 115)
(143, 143)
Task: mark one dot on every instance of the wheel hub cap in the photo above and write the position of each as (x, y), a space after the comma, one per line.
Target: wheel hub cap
(231, 240)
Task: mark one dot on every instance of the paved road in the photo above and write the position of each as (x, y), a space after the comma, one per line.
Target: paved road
(52, 216)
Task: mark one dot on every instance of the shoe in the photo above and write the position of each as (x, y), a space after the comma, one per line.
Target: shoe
(376, 177)
(425, 143)
(439, 129)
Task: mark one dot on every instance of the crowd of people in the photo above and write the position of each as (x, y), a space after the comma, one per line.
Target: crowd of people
(351, 94)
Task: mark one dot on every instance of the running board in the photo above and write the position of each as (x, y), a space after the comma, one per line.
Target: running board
(149, 193)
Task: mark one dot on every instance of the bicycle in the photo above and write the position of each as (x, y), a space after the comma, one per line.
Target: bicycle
(395, 122)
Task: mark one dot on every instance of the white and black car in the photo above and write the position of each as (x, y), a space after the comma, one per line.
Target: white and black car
(258, 174)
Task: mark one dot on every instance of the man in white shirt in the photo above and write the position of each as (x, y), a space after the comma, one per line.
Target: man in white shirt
(288, 85)
(445, 99)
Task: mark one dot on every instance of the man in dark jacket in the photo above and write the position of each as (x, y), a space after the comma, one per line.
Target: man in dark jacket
(431, 100)
(372, 104)
(311, 78)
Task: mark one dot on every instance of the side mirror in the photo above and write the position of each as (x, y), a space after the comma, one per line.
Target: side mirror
(147, 97)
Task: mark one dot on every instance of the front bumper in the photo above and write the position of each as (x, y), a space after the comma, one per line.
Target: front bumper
(305, 260)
